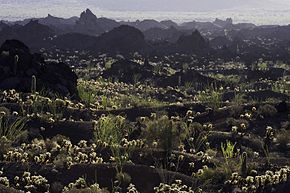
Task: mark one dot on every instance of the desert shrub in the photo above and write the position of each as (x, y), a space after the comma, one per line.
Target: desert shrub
(267, 110)
(175, 187)
(265, 182)
(111, 129)
(122, 181)
(212, 97)
(9, 96)
(86, 94)
(196, 137)
(5, 144)
(167, 133)
(26, 181)
(81, 186)
(12, 130)
(161, 131)
(212, 176)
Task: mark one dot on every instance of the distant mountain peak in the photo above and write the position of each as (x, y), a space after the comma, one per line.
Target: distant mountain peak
(88, 11)
(223, 23)
(88, 15)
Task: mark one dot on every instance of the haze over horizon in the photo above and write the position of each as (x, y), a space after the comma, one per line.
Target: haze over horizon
(240, 10)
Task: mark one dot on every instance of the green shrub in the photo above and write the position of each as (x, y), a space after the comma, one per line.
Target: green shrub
(86, 94)
(111, 129)
(12, 130)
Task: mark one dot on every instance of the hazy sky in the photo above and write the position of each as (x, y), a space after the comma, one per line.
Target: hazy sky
(139, 9)
(154, 5)
(189, 5)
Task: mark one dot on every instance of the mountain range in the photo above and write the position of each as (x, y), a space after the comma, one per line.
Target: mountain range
(89, 24)
(100, 34)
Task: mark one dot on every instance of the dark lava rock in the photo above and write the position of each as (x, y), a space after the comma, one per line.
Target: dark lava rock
(266, 94)
(128, 71)
(18, 65)
(261, 95)
(282, 107)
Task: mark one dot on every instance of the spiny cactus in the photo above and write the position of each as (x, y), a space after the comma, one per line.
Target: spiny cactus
(244, 164)
(16, 60)
(33, 84)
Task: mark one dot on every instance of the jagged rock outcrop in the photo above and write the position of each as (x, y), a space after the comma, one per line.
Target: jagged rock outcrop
(18, 65)
(89, 24)
(224, 24)
(87, 18)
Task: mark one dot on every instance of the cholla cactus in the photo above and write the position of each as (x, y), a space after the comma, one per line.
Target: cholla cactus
(33, 84)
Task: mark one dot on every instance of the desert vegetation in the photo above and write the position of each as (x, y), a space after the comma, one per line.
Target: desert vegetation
(146, 106)
(158, 131)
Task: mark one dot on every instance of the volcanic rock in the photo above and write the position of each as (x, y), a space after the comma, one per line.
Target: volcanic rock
(18, 65)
